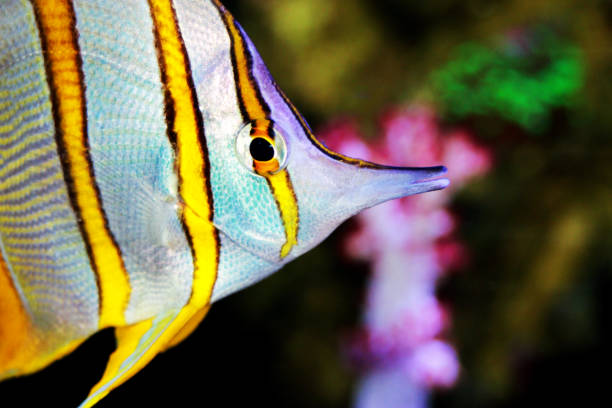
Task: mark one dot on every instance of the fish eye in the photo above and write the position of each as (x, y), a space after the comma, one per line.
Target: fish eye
(261, 148)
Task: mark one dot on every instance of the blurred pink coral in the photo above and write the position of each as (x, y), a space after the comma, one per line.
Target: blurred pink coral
(410, 137)
(409, 243)
(434, 363)
(464, 157)
(344, 135)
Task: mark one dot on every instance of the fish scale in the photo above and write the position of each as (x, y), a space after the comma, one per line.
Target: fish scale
(128, 196)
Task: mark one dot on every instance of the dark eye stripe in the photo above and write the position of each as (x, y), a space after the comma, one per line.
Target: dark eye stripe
(253, 106)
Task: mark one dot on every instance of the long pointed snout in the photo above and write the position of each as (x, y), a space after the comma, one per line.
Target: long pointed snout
(331, 188)
(373, 185)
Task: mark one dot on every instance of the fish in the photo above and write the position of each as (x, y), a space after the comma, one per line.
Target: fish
(149, 166)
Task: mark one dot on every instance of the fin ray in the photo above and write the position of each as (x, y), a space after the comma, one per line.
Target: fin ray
(139, 343)
(189, 327)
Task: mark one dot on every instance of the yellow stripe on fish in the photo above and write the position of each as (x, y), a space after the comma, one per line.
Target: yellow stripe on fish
(253, 109)
(186, 133)
(56, 20)
(280, 183)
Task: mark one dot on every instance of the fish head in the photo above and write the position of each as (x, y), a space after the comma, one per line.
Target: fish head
(277, 190)
(290, 191)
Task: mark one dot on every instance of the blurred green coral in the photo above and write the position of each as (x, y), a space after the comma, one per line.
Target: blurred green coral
(521, 81)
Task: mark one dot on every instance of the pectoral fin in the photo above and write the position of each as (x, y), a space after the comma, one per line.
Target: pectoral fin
(137, 344)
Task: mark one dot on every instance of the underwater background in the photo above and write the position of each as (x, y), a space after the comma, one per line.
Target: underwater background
(493, 293)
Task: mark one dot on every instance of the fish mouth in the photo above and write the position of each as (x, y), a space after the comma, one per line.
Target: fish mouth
(397, 182)
(428, 179)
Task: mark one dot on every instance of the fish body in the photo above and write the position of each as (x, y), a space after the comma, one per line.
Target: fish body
(149, 166)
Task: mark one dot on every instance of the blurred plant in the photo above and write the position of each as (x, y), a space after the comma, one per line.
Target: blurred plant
(409, 244)
(531, 73)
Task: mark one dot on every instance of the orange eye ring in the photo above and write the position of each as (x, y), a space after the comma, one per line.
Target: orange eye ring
(268, 167)
(261, 148)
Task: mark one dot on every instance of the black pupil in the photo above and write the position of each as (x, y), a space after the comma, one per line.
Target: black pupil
(261, 149)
